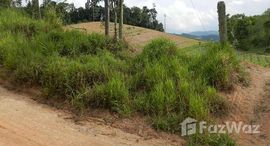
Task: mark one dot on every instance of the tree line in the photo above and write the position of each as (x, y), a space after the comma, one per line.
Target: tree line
(250, 32)
(69, 14)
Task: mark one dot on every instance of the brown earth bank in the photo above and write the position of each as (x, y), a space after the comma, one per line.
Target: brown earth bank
(251, 105)
(25, 121)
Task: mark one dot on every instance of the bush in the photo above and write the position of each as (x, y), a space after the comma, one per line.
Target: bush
(218, 69)
(113, 94)
(52, 18)
(267, 50)
(91, 77)
(168, 83)
(23, 24)
(75, 43)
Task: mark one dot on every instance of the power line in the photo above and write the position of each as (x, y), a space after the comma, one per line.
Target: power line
(198, 15)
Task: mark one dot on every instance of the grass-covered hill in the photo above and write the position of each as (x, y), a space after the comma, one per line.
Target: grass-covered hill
(137, 37)
(163, 82)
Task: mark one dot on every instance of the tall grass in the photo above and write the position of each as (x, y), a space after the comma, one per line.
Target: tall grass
(172, 85)
(83, 69)
(162, 82)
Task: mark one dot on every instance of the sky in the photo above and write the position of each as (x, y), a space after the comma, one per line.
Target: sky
(194, 15)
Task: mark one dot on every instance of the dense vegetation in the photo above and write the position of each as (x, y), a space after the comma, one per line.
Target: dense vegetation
(162, 82)
(250, 33)
(142, 17)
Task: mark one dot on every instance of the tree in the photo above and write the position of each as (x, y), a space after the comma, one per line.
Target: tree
(10, 3)
(93, 5)
(267, 12)
(136, 16)
(240, 30)
(121, 20)
(16, 3)
(107, 18)
(34, 7)
(114, 4)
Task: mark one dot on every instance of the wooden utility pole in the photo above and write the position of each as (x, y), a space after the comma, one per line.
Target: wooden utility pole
(107, 18)
(222, 22)
(121, 21)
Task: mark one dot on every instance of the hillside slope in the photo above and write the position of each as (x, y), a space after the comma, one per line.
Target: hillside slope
(137, 37)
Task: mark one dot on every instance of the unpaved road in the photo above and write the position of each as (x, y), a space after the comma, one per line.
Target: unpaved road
(251, 105)
(23, 122)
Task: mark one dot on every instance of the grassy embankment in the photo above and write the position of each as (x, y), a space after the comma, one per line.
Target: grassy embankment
(90, 70)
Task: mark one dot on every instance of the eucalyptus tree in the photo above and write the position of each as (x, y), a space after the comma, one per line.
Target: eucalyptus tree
(107, 18)
(92, 4)
(121, 19)
(35, 8)
(114, 4)
(118, 10)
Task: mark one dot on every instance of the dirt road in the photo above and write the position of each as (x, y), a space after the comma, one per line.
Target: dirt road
(26, 123)
(251, 105)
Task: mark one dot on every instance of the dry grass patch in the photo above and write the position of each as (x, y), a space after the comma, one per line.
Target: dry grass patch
(137, 37)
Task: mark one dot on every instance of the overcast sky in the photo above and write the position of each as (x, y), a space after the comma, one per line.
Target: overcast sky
(183, 17)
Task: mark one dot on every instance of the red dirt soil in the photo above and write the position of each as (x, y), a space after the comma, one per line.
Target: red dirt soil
(251, 105)
(24, 121)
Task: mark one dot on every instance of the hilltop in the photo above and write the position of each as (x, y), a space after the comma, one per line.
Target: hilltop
(137, 37)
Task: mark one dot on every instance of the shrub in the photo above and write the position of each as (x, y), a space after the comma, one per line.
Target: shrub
(114, 94)
(267, 50)
(52, 18)
(75, 43)
(168, 83)
(218, 65)
(22, 24)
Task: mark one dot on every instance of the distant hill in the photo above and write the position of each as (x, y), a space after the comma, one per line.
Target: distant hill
(202, 35)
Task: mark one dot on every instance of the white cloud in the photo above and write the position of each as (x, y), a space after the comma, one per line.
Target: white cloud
(238, 2)
(183, 17)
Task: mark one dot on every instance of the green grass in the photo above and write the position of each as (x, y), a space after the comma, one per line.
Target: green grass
(163, 82)
(210, 140)
(263, 60)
